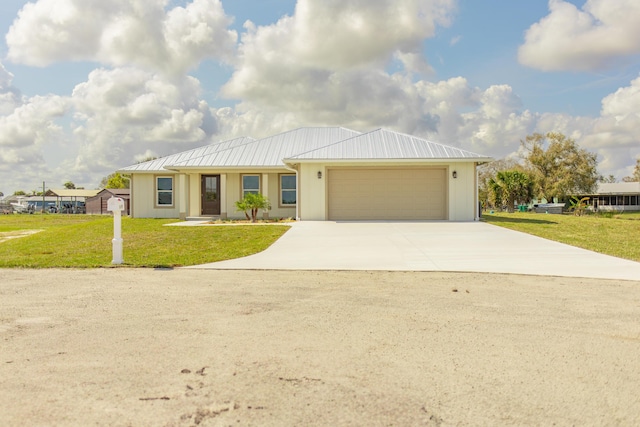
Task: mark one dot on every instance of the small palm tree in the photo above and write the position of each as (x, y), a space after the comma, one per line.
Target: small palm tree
(579, 206)
(251, 203)
(511, 185)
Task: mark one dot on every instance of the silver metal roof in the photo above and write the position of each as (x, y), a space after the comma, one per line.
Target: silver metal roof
(619, 188)
(159, 165)
(269, 152)
(382, 144)
(307, 144)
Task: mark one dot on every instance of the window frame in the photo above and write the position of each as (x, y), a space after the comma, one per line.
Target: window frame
(243, 191)
(281, 191)
(157, 191)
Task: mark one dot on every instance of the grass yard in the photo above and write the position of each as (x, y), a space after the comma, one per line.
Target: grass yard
(83, 241)
(617, 235)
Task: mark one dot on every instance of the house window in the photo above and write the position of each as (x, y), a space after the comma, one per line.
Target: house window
(287, 190)
(164, 191)
(250, 184)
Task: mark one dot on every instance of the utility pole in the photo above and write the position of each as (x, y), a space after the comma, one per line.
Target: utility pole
(43, 198)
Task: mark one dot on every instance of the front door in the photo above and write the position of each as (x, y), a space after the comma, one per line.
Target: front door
(210, 194)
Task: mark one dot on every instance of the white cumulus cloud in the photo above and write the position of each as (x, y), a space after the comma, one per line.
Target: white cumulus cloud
(589, 38)
(121, 33)
(121, 113)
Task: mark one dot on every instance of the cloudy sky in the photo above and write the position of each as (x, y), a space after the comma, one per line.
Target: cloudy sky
(89, 86)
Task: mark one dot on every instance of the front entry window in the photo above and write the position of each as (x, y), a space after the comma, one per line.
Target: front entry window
(164, 191)
(211, 189)
(250, 184)
(287, 190)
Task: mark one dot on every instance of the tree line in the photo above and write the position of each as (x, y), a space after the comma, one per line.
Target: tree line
(553, 167)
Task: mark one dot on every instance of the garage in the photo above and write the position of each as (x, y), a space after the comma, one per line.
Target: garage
(387, 194)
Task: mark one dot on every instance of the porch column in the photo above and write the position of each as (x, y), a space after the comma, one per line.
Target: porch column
(182, 196)
(194, 195)
(223, 196)
(265, 192)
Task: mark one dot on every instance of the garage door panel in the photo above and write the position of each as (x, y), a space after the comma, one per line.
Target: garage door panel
(387, 194)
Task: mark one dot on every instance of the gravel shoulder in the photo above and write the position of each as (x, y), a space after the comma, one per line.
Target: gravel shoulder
(185, 347)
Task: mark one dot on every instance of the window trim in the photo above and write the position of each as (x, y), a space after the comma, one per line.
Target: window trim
(242, 189)
(157, 191)
(281, 204)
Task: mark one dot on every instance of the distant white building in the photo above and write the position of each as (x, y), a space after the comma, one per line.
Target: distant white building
(619, 196)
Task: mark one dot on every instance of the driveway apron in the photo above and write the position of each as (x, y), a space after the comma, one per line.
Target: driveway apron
(428, 246)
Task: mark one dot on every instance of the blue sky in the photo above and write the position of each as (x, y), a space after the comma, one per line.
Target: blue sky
(480, 75)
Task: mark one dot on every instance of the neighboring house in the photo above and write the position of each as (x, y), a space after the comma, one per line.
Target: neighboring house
(313, 174)
(619, 196)
(97, 205)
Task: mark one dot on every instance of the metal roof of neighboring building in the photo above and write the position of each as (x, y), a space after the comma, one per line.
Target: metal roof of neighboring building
(64, 192)
(159, 165)
(619, 188)
(269, 151)
(382, 144)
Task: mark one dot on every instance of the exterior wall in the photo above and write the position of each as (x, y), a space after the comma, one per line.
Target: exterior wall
(619, 208)
(233, 195)
(269, 186)
(463, 205)
(143, 193)
(97, 205)
(312, 192)
(461, 193)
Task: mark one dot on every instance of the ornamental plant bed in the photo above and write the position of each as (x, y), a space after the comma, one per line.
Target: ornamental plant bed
(249, 222)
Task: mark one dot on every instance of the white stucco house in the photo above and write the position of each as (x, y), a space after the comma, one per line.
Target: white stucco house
(319, 173)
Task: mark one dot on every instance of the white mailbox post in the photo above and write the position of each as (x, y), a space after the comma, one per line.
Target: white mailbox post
(116, 205)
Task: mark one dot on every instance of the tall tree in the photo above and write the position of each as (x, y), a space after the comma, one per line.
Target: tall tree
(635, 177)
(558, 166)
(69, 185)
(115, 180)
(511, 186)
(611, 179)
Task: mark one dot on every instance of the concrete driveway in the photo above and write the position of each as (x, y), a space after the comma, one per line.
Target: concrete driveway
(428, 246)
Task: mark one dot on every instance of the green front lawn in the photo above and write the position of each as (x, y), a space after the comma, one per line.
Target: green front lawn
(85, 241)
(617, 235)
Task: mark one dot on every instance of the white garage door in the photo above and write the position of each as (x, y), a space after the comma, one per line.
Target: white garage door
(362, 194)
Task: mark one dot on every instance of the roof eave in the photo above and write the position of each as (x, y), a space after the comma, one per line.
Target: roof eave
(225, 168)
(416, 160)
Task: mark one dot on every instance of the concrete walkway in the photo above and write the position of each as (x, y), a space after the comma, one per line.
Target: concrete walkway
(428, 246)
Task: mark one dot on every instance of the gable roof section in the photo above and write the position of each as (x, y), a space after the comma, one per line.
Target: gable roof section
(269, 151)
(385, 145)
(118, 192)
(160, 164)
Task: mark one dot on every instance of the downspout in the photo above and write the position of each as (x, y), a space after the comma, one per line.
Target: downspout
(287, 167)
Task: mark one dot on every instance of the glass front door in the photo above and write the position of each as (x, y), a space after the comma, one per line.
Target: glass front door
(210, 194)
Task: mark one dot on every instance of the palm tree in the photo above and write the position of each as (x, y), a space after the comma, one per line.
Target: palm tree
(252, 202)
(509, 186)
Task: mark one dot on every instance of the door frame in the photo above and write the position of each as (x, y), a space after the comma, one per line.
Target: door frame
(216, 207)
